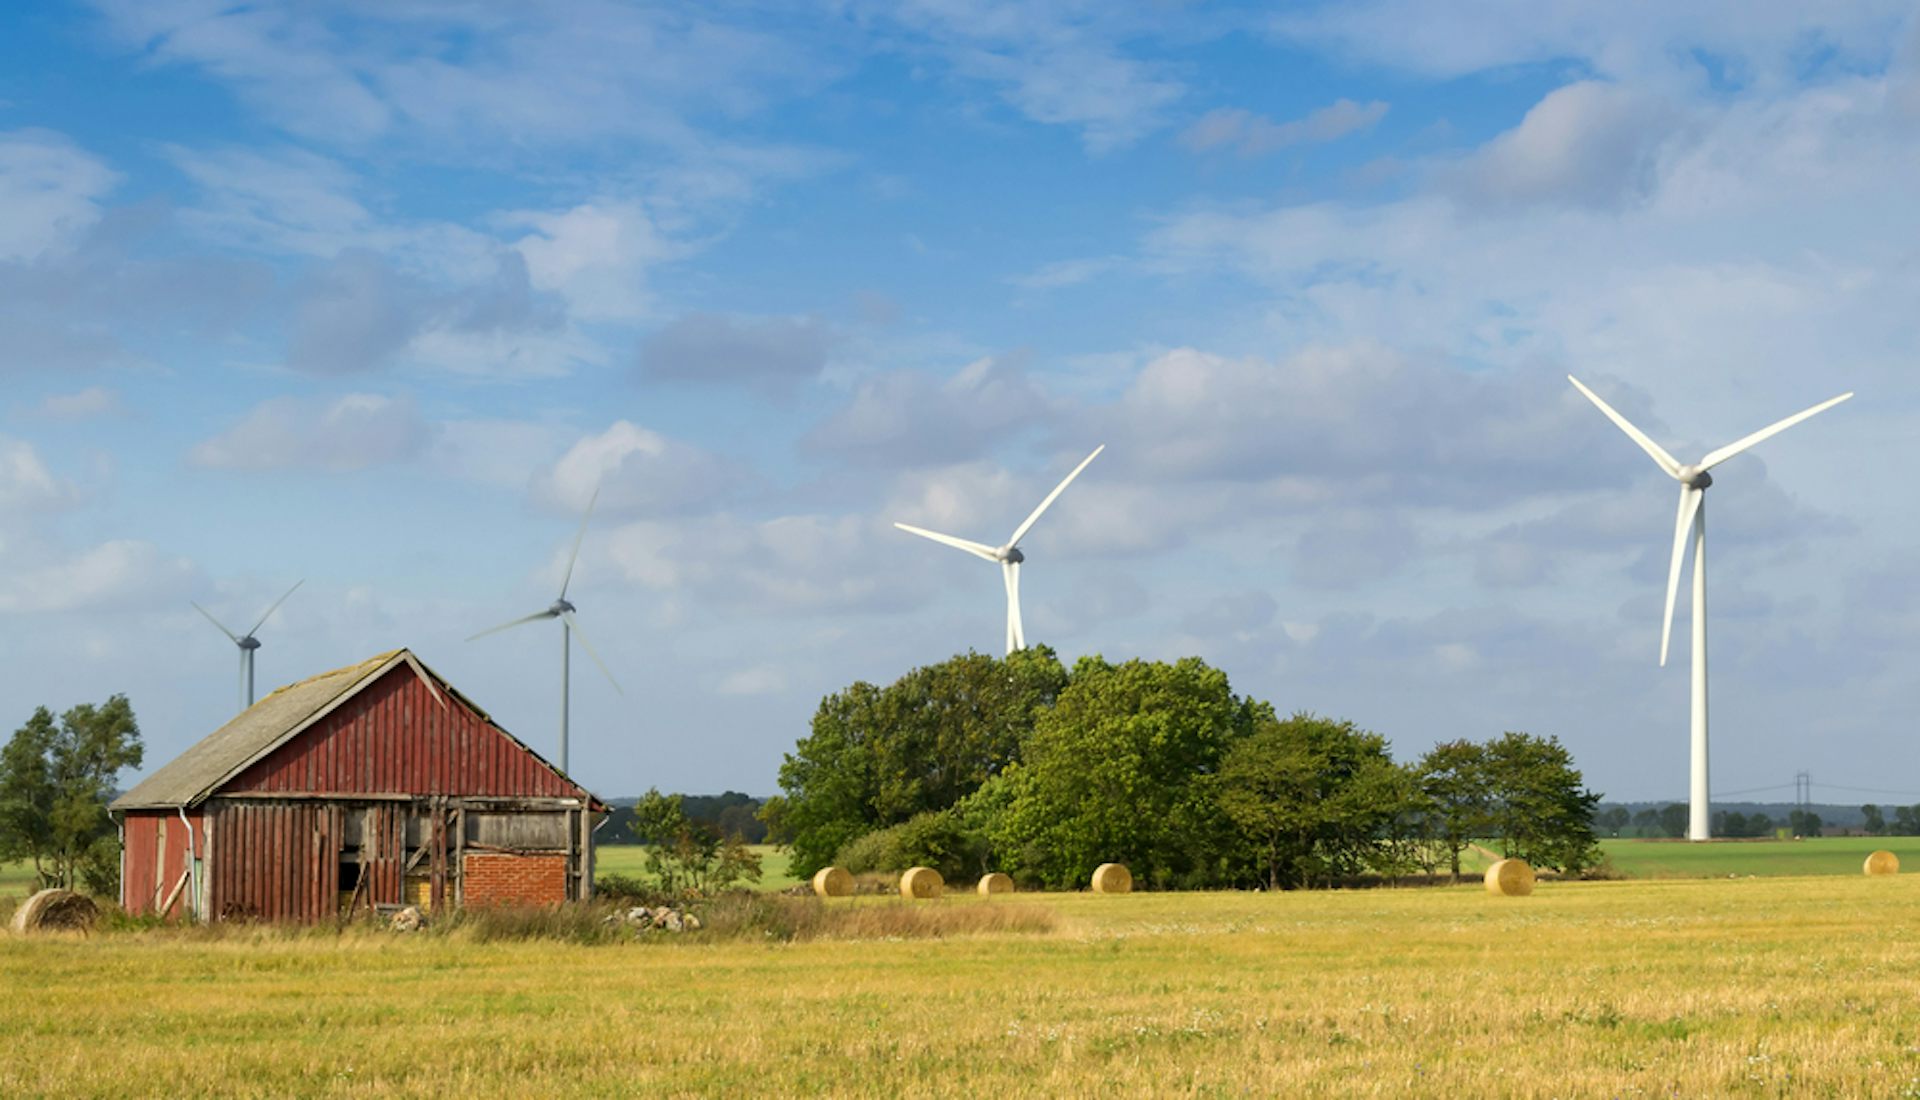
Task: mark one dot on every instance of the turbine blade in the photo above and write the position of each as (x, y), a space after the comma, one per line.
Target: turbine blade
(1715, 458)
(1021, 531)
(578, 538)
(535, 617)
(1016, 630)
(1682, 528)
(977, 549)
(1658, 453)
(276, 606)
(574, 625)
(216, 622)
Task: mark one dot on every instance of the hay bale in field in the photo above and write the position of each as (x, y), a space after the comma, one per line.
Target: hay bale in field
(832, 882)
(55, 910)
(1510, 878)
(921, 882)
(995, 883)
(1112, 878)
(1882, 862)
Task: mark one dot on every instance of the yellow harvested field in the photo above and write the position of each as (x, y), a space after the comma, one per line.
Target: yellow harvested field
(1751, 987)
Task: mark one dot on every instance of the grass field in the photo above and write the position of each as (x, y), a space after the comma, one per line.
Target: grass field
(630, 859)
(1754, 987)
(1838, 855)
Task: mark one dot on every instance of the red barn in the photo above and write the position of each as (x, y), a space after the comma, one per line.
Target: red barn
(371, 786)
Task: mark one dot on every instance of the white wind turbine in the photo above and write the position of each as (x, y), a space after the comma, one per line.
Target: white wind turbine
(1692, 518)
(1008, 554)
(563, 610)
(247, 643)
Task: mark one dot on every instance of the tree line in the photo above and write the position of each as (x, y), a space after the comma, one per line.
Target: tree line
(1020, 765)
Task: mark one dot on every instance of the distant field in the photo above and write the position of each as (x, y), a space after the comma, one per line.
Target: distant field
(16, 879)
(1753, 987)
(1839, 855)
(630, 859)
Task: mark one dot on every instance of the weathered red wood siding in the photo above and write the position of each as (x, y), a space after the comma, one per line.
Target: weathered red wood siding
(156, 853)
(395, 737)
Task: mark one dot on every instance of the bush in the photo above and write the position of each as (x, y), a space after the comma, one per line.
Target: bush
(939, 839)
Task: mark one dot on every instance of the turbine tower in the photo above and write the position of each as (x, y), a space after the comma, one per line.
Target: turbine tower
(1692, 521)
(1008, 554)
(247, 643)
(563, 610)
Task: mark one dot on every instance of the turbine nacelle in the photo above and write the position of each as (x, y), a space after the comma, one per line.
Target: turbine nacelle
(1010, 554)
(248, 642)
(1693, 477)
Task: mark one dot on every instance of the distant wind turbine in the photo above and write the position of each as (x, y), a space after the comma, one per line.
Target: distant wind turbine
(569, 626)
(247, 643)
(1692, 519)
(1008, 554)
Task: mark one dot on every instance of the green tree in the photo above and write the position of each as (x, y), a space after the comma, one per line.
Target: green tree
(877, 757)
(1614, 820)
(55, 782)
(1876, 822)
(1804, 823)
(1117, 770)
(1674, 819)
(1539, 809)
(1647, 821)
(1453, 777)
(1317, 798)
(686, 856)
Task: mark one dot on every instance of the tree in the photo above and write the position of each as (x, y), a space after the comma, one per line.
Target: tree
(1117, 770)
(1542, 813)
(55, 782)
(1647, 821)
(687, 856)
(1453, 777)
(1614, 820)
(1674, 819)
(1876, 823)
(877, 757)
(1804, 822)
(1316, 797)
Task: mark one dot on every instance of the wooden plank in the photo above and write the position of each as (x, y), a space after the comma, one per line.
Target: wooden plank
(174, 894)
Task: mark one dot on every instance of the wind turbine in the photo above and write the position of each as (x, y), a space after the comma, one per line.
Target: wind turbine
(247, 643)
(1692, 519)
(563, 610)
(1008, 554)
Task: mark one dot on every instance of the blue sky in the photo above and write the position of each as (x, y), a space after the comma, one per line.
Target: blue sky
(373, 294)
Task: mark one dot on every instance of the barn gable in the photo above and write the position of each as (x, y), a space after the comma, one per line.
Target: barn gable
(387, 725)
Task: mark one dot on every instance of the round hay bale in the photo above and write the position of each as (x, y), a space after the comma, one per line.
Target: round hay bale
(921, 882)
(832, 882)
(995, 883)
(1882, 862)
(55, 910)
(1112, 878)
(1510, 878)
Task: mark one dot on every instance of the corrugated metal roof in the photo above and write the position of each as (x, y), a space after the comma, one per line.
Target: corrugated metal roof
(253, 733)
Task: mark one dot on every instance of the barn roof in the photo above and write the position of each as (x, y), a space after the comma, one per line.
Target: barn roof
(188, 779)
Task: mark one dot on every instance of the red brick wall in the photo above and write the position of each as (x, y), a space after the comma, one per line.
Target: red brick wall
(499, 879)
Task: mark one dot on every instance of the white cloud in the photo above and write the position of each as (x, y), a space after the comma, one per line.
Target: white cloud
(715, 348)
(49, 192)
(26, 484)
(120, 574)
(87, 404)
(913, 418)
(638, 472)
(596, 255)
(1751, 42)
(1253, 135)
(352, 432)
(1590, 142)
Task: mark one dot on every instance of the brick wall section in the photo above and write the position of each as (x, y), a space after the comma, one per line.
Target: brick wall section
(499, 879)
